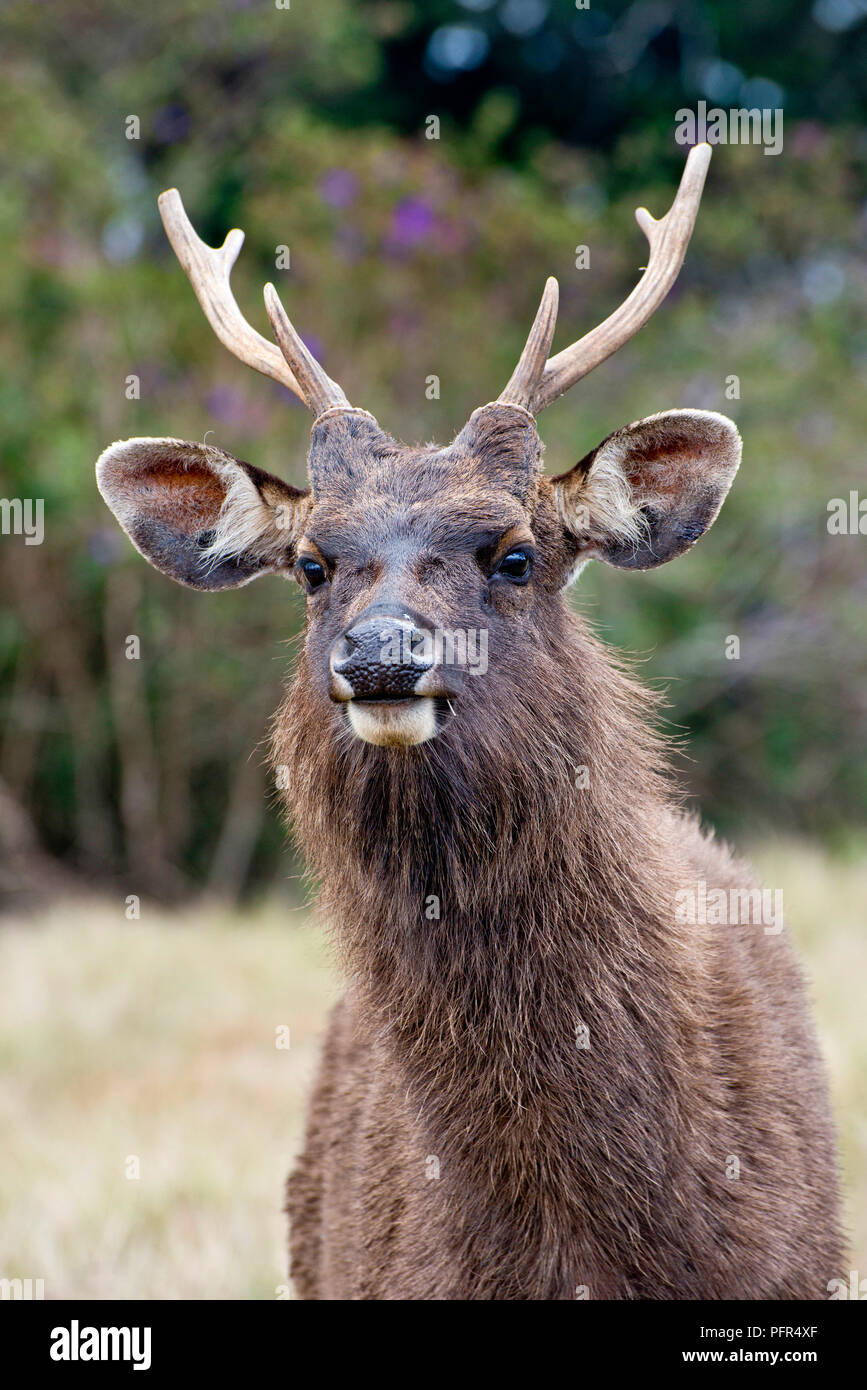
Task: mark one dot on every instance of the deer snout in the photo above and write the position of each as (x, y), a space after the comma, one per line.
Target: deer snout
(381, 658)
(384, 670)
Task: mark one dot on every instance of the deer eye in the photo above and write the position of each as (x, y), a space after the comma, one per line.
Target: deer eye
(515, 566)
(313, 573)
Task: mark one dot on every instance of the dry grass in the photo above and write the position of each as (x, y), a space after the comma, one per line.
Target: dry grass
(157, 1039)
(824, 902)
(154, 1038)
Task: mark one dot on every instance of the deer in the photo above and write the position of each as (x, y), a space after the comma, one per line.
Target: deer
(544, 1079)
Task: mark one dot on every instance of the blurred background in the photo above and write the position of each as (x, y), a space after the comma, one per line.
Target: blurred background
(409, 258)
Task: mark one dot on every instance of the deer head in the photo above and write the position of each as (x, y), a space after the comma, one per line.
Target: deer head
(408, 554)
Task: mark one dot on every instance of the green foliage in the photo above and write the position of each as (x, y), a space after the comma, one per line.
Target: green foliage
(409, 257)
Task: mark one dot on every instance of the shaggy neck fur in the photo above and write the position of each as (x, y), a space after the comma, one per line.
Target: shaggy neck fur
(556, 917)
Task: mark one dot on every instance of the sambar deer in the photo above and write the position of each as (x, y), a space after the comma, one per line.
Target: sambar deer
(544, 1081)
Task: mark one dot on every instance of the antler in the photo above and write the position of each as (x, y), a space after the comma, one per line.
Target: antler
(668, 239)
(524, 381)
(208, 269)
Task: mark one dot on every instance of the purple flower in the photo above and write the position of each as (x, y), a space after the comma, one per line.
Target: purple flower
(339, 188)
(411, 222)
(171, 123)
(313, 345)
(226, 404)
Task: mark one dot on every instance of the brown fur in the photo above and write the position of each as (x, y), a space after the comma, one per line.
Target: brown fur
(461, 1144)
(559, 1167)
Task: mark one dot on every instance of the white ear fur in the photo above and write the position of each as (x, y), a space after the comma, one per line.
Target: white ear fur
(251, 521)
(649, 490)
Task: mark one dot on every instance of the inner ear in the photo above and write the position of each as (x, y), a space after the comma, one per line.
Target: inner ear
(202, 517)
(649, 490)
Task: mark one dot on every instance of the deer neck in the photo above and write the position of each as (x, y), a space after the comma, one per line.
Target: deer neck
(504, 908)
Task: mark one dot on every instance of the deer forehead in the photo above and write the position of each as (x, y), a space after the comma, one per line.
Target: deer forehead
(440, 499)
(387, 524)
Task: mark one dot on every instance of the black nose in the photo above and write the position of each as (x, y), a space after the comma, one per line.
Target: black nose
(381, 657)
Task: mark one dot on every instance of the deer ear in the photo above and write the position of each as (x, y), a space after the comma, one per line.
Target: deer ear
(649, 490)
(198, 515)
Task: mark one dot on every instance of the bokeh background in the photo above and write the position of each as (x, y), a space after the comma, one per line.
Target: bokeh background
(409, 257)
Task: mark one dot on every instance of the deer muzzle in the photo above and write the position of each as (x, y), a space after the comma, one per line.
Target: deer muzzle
(384, 670)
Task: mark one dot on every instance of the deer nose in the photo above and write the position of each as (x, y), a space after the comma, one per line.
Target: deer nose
(381, 657)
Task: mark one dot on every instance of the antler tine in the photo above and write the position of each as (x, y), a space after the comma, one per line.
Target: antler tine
(668, 239)
(208, 269)
(320, 392)
(524, 381)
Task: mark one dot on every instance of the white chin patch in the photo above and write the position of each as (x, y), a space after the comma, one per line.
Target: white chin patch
(394, 725)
